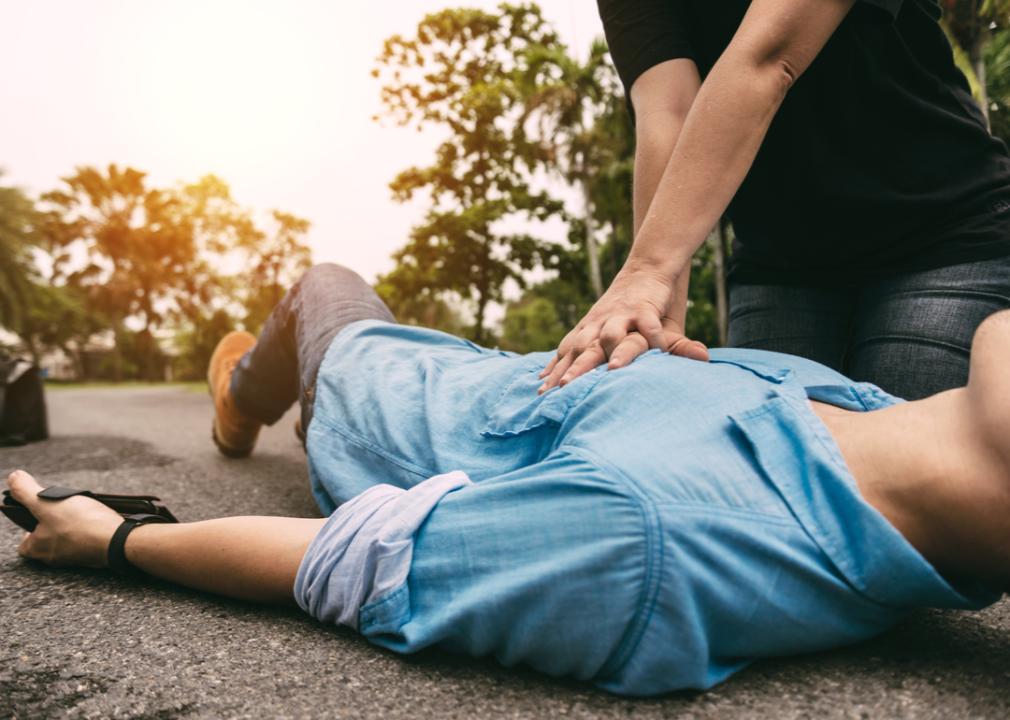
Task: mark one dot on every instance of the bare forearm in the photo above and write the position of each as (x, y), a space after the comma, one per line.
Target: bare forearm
(250, 558)
(679, 192)
(723, 130)
(716, 148)
(656, 139)
(728, 120)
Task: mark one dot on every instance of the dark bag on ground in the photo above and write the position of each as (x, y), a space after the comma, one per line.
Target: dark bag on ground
(22, 403)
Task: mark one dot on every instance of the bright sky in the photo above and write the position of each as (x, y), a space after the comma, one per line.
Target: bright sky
(275, 97)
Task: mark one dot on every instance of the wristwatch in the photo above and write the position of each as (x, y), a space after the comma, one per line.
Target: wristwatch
(117, 545)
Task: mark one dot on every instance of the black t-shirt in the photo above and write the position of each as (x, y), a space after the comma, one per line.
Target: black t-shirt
(878, 161)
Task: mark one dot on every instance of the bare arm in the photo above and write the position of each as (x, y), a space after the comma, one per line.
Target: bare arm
(250, 558)
(662, 97)
(776, 42)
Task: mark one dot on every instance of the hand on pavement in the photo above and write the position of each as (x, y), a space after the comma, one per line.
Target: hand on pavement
(75, 531)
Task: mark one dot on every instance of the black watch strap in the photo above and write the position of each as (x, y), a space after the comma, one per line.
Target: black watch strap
(117, 546)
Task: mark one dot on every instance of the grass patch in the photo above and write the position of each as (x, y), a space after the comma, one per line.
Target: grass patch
(195, 386)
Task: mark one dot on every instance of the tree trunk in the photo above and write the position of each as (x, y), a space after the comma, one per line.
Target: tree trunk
(721, 299)
(478, 326)
(482, 292)
(75, 357)
(149, 350)
(595, 279)
(33, 348)
(976, 54)
(117, 351)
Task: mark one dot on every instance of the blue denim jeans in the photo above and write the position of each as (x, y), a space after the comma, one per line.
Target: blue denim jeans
(909, 334)
(283, 366)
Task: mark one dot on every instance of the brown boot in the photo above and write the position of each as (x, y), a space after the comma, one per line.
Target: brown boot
(234, 433)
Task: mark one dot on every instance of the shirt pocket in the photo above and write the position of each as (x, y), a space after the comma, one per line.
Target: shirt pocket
(766, 371)
(519, 410)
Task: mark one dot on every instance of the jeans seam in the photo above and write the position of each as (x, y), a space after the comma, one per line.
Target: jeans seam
(909, 339)
(944, 292)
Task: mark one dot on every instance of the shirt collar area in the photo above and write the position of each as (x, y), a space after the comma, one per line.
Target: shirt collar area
(802, 460)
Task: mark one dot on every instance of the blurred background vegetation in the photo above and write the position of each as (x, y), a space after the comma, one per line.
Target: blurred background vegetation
(108, 277)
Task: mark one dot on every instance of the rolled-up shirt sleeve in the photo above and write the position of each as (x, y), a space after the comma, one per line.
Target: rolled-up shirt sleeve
(365, 548)
(551, 565)
(644, 33)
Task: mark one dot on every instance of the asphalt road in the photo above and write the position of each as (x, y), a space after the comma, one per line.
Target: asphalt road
(87, 645)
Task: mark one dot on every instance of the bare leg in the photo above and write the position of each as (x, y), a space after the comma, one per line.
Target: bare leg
(939, 469)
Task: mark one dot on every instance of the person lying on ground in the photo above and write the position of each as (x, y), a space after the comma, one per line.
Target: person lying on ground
(752, 506)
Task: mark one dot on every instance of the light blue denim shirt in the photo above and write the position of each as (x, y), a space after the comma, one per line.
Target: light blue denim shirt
(649, 529)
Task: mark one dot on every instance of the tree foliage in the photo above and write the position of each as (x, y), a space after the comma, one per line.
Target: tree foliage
(973, 26)
(458, 72)
(532, 324)
(998, 83)
(124, 258)
(565, 102)
(275, 259)
(18, 220)
(136, 246)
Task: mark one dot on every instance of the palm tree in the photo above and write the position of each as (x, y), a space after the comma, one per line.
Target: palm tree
(564, 98)
(17, 214)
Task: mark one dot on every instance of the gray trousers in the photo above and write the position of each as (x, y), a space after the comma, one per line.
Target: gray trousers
(282, 367)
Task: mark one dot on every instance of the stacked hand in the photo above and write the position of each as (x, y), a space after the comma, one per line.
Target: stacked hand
(630, 318)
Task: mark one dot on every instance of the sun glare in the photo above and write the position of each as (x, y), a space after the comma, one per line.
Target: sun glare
(223, 86)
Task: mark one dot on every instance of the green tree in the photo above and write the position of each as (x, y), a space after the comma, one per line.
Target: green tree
(210, 300)
(412, 306)
(972, 25)
(613, 139)
(568, 291)
(566, 102)
(197, 342)
(17, 272)
(532, 324)
(136, 251)
(458, 73)
(224, 235)
(57, 317)
(275, 260)
(998, 81)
